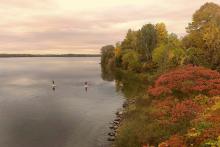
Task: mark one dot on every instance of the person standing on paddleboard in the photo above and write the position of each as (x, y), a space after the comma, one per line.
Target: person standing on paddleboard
(53, 85)
(86, 86)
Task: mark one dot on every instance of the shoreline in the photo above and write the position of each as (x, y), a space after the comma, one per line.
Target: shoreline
(119, 117)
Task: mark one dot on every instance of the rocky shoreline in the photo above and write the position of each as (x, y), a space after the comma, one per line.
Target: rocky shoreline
(114, 125)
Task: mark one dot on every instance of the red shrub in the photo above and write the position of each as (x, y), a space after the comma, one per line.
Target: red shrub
(159, 91)
(185, 110)
(169, 112)
(163, 110)
(176, 141)
(188, 79)
(164, 106)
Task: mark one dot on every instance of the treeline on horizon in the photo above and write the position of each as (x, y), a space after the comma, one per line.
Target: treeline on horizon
(180, 106)
(49, 55)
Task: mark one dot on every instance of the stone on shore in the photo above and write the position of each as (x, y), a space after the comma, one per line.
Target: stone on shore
(111, 127)
(111, 134)
(116, 122)
(111, 139)
(117, 119)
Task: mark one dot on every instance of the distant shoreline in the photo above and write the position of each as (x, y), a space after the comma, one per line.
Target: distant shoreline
(48, 55)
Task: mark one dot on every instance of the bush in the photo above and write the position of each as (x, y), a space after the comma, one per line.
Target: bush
(174, 141)
(187, 81)
(185, 110)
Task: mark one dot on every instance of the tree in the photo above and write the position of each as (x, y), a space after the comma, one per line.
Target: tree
(107, 52)
(160, 56)
(177, 53)
(146, 41)
(162, 34)
(208, 13)
(107, 62)
(169, 54)
(118, 55)
(204, 34)
(211, 39)
(195, 56)
(130, 40)
(130, 61)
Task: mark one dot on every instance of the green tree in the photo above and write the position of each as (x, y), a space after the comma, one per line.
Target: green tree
(169, 54)
(107, 52)
(130, 61)
(146, 41)
(195, 56)
(130, 40)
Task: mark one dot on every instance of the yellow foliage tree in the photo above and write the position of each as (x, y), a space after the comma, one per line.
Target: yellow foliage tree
(117, 52)
(162, 33)
(204, 34)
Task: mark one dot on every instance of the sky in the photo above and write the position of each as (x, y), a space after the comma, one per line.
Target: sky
(84, 26)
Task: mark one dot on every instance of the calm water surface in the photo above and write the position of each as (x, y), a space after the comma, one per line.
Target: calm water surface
(33, 115)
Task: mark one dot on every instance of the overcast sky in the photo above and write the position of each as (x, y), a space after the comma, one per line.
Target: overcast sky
(83, 26)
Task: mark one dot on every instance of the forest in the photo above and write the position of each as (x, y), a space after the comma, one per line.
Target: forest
(176, 82)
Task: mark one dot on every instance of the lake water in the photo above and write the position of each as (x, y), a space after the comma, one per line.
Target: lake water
(33, 115)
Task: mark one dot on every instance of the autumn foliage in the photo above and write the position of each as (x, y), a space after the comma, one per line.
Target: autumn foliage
(186, 81)
(180, 109)
(174, 141)
(185, 110)
(189, 81)
(182, 97)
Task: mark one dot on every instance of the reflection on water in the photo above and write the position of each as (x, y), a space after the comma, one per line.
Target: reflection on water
(131, 85)
(32, 114)
(108, 74)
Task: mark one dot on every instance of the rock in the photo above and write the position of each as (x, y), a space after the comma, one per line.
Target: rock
(132, 101)
(116, 122)
(115, 127)
(111, 139)
(112, 127)
(119, 116)
(120, 113)
(111, 134)
(117, 119)
(125, 104)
